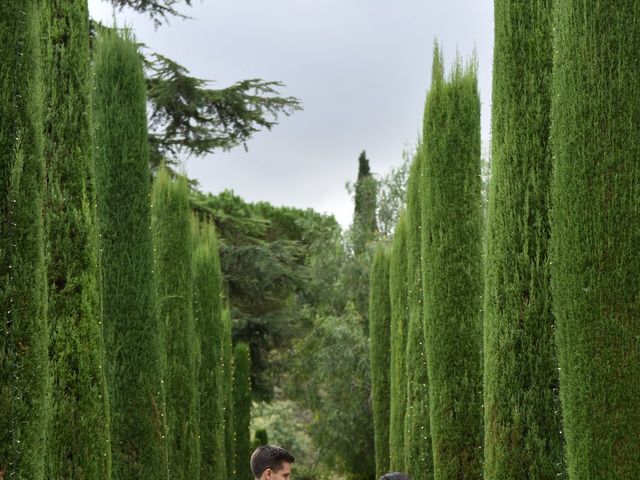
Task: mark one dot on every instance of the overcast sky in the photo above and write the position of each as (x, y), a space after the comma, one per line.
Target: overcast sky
(360, 67)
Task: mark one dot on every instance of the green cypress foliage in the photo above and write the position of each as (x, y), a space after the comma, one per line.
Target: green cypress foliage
(207, 310)
(451, 251)
(172, 231)
(364, 216)
(522, 439)
(131, 326)
(380, 345)
(227, 386)
(23, 328)
(417, 441)
(78, 440)
(595, 228)
(242, 410)
(398, 290)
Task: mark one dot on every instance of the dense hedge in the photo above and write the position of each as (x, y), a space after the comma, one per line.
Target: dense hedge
(418, 454)
(522, 430)
(227, 369)
(242, 410)
(380, 345)
(78, 439)
(398, 290)
(451, 251)
(173, 247)
(131, 326)
(596, 234)
(207, 311)
(23, 335)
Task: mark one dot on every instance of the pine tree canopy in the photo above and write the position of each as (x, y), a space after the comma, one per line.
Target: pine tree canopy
(158, 10)
(188, 116)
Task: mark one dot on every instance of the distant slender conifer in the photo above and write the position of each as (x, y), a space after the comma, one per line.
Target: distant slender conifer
(78, 439)
(23, 328)
(418, 454)
(131, 326)
(242, 410)
(379, 333)
(522, 430)
(207, 310)
(398, 290)
(172, 231)
(451, 251)
(227, 385)
(595, 234)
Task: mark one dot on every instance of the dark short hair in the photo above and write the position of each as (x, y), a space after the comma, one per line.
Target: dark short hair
(269, 456)
(395, 476)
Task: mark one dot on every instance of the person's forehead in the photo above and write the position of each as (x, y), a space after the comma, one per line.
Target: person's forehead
(286, 467)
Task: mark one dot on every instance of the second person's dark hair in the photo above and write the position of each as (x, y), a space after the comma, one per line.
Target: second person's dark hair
(269, 456)
(395, 476)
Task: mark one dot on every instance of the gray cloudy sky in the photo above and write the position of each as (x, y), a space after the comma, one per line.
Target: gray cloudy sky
(360, 67)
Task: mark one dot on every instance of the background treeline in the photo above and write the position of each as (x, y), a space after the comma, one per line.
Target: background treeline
(527, 360)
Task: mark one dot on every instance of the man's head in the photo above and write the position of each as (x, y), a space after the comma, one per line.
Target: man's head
(271, 463)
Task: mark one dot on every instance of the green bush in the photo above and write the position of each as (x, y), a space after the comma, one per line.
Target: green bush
(398, 291)
(173, 243)
(227, 391)
(418, 454)
(131, 326)
(242, 410)
(451, 251)
(522, 439)
(207, 311)
(78, 439)
(379, 334)
(595, 234)
(23, 337)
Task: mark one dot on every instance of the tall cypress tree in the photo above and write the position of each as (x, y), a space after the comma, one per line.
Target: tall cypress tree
(418, 455)
(242, 410)
(207, 310)
(78, 442)
(398, 290)
(380, 345)
(595, 229)
(227, 386)
(23, 329)
(131, 326)
(364, 216)
(522, 439)
(451, 251)
(173, 257)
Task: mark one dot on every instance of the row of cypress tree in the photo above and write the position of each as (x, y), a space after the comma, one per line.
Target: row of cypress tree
(549, 354)
(115, 349)
(434, 422)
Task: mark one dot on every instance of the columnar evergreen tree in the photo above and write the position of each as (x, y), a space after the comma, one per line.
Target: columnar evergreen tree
(418, 455)
(207, 310)
(595, 229)
(522, 439)
(364, 217)
(78, 440)
(379, 334)
(23, 328)
(227, 386)
(242, 410)
(173, 258)
(398, 290)
(451, 251)
(131, 326)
